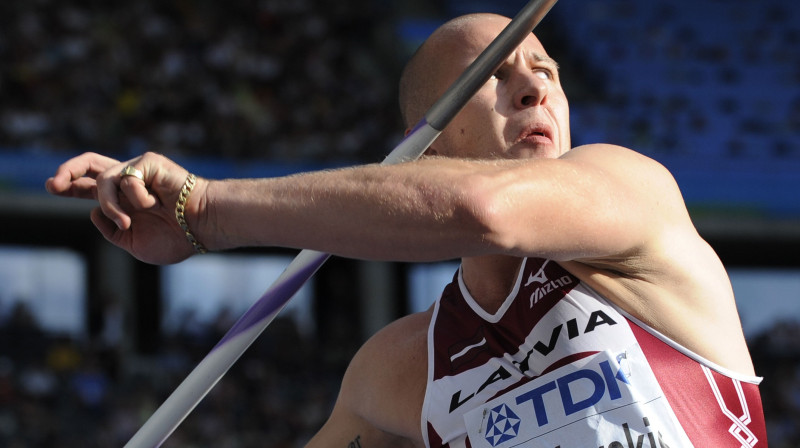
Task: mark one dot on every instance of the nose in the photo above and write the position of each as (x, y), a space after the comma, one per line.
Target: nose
(531, 90)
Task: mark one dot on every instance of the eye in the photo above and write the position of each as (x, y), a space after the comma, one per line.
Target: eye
(544, 73)
(499, 75)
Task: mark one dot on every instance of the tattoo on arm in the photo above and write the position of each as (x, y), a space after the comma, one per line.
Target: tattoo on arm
(356, 443)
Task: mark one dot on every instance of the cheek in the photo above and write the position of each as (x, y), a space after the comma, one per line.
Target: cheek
(476, 131)
(559, 108)
(465, 140)
(565, 126)
(465, 127)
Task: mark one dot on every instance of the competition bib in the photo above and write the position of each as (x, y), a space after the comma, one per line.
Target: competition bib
(607, 401)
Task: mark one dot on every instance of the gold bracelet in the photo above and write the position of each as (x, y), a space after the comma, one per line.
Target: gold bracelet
(180, 208)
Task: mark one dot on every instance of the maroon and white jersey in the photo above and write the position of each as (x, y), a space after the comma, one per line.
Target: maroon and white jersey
(559, 366)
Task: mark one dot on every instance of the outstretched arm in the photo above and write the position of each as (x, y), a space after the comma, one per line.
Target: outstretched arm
(593, 202)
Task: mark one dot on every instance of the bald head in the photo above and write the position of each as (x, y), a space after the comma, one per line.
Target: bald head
(426, 75)
(525, 94)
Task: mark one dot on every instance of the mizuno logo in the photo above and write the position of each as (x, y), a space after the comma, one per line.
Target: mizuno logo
(540, 276)
(546, 286)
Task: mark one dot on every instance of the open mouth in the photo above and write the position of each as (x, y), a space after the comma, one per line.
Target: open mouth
(536, 135)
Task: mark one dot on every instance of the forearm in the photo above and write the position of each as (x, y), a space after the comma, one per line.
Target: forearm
(593, 203)
(404, 212)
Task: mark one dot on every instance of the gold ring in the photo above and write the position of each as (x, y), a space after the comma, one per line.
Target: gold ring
(131, 170)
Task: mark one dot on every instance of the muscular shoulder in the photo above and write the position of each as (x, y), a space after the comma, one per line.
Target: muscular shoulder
(625, 165)
(639, 191)
(385, 382)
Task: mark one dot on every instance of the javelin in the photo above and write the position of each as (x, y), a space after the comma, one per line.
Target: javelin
(245, 331)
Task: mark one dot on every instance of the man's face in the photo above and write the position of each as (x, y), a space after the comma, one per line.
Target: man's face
(522, 112)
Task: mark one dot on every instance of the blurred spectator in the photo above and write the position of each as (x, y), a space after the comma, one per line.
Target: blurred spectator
(21, 338)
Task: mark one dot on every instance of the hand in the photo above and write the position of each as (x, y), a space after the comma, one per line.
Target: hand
(134, 214)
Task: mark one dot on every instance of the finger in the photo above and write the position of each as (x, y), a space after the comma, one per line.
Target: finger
(136, 192)
(108, 195)
(83, 188)
(88, 165)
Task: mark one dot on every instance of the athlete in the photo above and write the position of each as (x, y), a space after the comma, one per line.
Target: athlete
(587, 311)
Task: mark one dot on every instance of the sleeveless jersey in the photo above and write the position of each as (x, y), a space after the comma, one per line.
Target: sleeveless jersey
(559, 366)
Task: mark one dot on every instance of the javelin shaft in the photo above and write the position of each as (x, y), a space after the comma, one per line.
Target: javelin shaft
(247, 329)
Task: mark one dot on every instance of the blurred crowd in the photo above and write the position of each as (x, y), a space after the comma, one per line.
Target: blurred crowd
(62, 392)
(281, 80)
(688, 78)
(58, 392)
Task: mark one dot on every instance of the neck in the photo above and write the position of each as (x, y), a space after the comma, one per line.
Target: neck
(490, 279)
